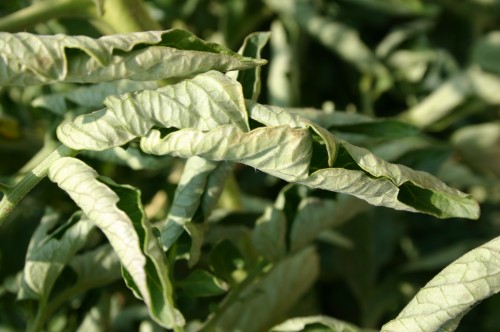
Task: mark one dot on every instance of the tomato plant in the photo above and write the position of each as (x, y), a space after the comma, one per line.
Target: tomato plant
(154, 177)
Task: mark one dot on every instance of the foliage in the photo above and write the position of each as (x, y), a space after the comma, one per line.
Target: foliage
(195, 188)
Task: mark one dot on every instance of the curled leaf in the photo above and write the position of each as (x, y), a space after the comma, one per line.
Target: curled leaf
(28, 59)
(130, 236)
(211, 119)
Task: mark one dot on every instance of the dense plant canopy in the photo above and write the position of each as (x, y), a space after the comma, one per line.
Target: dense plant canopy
(167, 166)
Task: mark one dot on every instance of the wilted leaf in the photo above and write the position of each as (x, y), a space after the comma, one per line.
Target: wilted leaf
(288, 146)
(49, 253)
(198, 191)
(204, 102)
(28, 59)
(128, 232)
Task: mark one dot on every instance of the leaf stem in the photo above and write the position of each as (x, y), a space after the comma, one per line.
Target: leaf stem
(42, 11)
(12, 197)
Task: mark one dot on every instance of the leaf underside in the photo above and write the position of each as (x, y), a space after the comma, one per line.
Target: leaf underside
(117, 212)
(28, 59)
(441, 304)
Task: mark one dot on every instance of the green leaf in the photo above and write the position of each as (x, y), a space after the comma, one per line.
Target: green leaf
(258, 148)
(49, 252)
(441, 304)
(262, 303)
(288, 146)
(224, 259)
(29, 59)
(119, 215)
(200, 283)
(315, 323)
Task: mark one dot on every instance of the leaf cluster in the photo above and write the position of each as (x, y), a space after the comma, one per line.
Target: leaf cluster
(190, 188)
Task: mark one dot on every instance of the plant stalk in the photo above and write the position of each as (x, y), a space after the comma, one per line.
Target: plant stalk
(42, 11)
(127, 16)
(30, 180)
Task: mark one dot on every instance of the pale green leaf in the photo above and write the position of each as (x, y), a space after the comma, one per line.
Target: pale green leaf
(299, 324)
(287, 146)
(257, 148)
(49, 253)
(444, 300)
(129, 234)
(28, 59)
(200, 176)
(162, 308)
(204, 102)
(400, 34)
(262, 303)
(358, 172)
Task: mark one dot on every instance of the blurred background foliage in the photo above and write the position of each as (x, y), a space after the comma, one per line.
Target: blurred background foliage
(432, 64)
